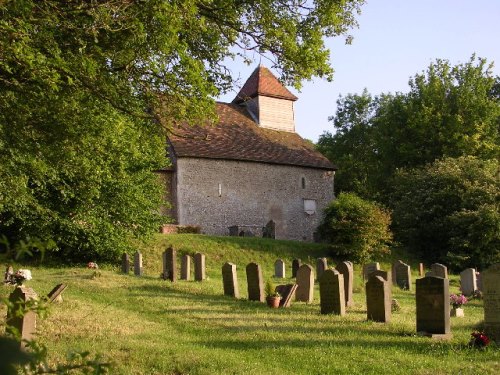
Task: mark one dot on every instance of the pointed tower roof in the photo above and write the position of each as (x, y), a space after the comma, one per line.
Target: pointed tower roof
(263, 82)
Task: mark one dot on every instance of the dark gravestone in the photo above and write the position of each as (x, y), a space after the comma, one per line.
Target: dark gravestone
(347, 271)
(287, 293)
(378, 299)
(383, 274)
(233, 231)
(403, 275)
(369, 268)
(199, 267)
(186, 267)
(279, 269)
(433, 307)
(321, 266)
(491, 296)
(296, 263)
(230, 280)
(24, 324)
(305, 282)
(255, 283)
(55, 294)
(439, 270)
(170, 264)
(125, 263)
(138, 264)
(269, 231)
(331, 293)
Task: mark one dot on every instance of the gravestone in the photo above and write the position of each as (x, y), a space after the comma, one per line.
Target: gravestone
(421, 270)
(369, 268)
(170, 264)
(468, 283)
(479, 281)
(138, 264)
(439, 270)
(55, 294)
(331, 293)
(125, 263)
(346, 269)
(296, 263)
(384, 275)
(287, 293)
(186, 267)
(255, 283)
(433, 307)
(199, 267)
(491, 297)
(279, 269)
(378, 299)
(321, 266)
(230, 280)
(403, 275)
(8, 274)
(269, 231)
(24, 325)
(305, 282)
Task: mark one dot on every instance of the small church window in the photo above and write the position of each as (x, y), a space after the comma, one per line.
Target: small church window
(303, 182)
(310, 206)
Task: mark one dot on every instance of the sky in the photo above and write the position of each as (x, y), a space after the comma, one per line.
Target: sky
(396, 39)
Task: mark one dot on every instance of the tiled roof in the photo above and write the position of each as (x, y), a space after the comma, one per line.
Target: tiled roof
(238, 137)
(263, 82)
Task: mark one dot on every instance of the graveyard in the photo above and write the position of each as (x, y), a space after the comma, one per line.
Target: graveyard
(148, 324)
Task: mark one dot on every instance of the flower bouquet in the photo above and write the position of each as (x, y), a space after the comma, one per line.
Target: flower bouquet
(457, 301)
(479, 340)
(95, 267)
(19, 277)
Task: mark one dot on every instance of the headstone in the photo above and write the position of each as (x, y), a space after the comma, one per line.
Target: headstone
(433, 307)
(55, 294)
(138, 264)
(255, 283)
(279, 269)
(378, 299)
(421, 270)
(386, 275)
(170, 264)
(479, 280)
(230, 280)
(269, 231)
(346, 269)
(439, 270)
(24, 325)
(321, 266)
(369, 268)
(331, 292)
(125, 263)
(305, 282)
(468, 283)
(491, 297)
(296, 263)
(8, 274)
(287, 293)
(199, 267)
(403, 275)
(186, 267)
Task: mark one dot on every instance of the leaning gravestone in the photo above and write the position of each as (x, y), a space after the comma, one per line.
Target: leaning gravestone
(331, 292)
(24, 325)
(491, 296)
(347, 271)
(255, 283)
(125, 263)
(378, 299)
(321, 266)
(186, 267)
(287, 293)
(55, 294)
(433, 307)
(138, 264)
(468, 283)
(403, 275)
(369, 268)
(230, 280)
(199, 267)
(439, 270)
(170, 264)
(279, 269)
(296, 263)
(305, 282)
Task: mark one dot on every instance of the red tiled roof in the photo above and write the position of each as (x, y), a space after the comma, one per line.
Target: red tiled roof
(263, 82)
(238, 137)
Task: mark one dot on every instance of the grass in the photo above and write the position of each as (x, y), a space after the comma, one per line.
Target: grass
(145, 325)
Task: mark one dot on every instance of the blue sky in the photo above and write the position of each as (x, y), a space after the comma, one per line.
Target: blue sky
(395, 40)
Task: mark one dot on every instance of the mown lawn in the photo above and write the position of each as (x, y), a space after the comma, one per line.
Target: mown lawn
(145, 325)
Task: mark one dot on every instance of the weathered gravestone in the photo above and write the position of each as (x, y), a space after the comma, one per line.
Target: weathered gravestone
(491, 296)
(479, 281)
(433, 307)
(305, 282)
(125, 263)
(378, 299)
(421, 269)
(255, 283)
(8, 274)
(439, 270)
(199, 267)
(369, 268)
(138, 264)
(384, 275)
(279, 269)
(346, 269)
(269, 231)
(25, 325)
(296, 263)
(230, 280)
(321, 266)
(287, 293)
(186, 267)
(403, 275)
(468, 283)
(331, 292)
(55, 294)
(170, 264)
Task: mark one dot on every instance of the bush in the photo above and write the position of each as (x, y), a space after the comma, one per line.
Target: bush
(357, 229)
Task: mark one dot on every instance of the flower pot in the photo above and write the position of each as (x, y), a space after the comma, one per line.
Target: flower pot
(273, 302)
(457, 312)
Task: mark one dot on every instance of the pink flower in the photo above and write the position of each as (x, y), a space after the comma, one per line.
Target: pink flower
(92, 265)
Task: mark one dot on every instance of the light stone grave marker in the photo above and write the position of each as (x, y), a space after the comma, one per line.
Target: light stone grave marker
(378, 299)
(199, 267)
(296, 263)
(279, 268)
(439, 270)
(138, 271)
(491, 297)
(230, 280)
(433, 307)
(305, 282)
(331, 291)
(347, 271)
(321, 266)
(255, 283)
(186, 267)
(421, 270)
(24, 325)
(468, 283)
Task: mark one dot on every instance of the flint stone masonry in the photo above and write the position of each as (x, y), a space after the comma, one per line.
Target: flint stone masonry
(347, 271)
(255, 283)
(378, 299)
(491, 296)
(230, 280)
(369, 268)
(305, 282)
(468, 283)
(279, 269)
(26, 324)
(138, 271)
(170, 264)
(321, 266)
(403, 275)
(125, 263)
(439, 270)
(433, 307)
(199, 267)
(296, 263)
(331, 291)
(186, 267)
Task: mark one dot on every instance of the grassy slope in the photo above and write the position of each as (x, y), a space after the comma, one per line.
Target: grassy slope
(149, 326)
